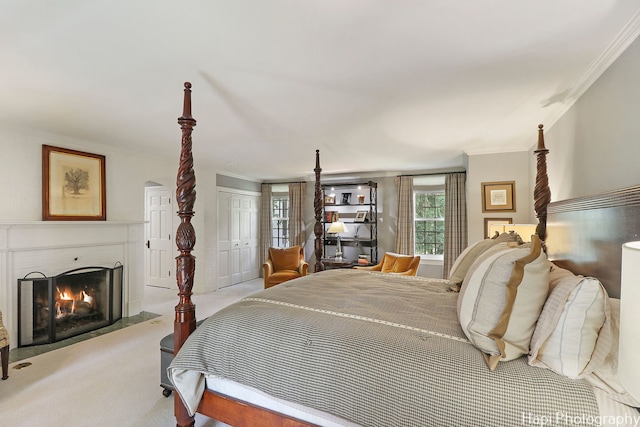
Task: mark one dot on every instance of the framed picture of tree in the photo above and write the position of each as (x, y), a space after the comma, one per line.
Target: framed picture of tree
(73, 185)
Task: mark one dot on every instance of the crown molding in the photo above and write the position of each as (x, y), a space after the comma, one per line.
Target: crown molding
(619, 44)
(627, 35)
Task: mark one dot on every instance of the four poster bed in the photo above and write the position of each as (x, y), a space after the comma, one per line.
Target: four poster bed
(351, 348)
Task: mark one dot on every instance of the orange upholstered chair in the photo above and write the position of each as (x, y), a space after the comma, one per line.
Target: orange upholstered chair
(405, 265)
(284, 264)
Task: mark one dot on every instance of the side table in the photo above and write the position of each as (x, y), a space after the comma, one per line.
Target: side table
(332, 263)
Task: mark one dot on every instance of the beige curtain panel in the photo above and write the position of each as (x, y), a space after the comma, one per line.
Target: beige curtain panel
(266, 230)
(405, 240)
(297, 192)
(455, 219)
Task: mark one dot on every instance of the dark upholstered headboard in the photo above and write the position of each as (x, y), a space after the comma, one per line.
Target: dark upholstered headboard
(585, 235)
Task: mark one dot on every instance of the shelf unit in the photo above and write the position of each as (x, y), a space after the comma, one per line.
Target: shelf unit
(356, 205)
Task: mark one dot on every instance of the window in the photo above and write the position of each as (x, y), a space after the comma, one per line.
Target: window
(429, 222)
(280, 221)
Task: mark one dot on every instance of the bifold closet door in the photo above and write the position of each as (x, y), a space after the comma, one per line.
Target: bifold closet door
(238, 237)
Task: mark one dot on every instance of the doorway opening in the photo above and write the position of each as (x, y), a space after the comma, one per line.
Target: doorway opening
(160, 250)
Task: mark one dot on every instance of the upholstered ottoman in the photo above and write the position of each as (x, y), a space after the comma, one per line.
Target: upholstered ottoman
(166, 356)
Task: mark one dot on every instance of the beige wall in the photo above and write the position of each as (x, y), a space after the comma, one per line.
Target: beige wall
(595, 146)
(496, 168)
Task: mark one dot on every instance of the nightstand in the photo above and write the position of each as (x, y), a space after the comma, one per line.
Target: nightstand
(332, 263)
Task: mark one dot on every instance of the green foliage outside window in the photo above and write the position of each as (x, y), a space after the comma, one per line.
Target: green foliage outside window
(280, 222)
(429, 223)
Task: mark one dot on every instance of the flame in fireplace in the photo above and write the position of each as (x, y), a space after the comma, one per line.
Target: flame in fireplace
(64, 295)
(67, 301)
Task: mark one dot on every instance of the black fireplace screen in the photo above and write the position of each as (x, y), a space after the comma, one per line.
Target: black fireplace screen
(51, 309)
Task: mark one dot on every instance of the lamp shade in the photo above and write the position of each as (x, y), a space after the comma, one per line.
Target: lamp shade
(338, 227)
(629, 344)
(524, 230)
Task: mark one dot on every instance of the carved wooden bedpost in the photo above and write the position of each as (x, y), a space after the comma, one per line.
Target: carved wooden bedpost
(185, 319)
(317, 206)
(541, 192)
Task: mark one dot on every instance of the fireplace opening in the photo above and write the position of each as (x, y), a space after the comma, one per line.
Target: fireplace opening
(51, 309)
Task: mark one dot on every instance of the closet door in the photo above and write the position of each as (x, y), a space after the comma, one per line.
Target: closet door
(238, 237)
(250, 237)
(224, 239)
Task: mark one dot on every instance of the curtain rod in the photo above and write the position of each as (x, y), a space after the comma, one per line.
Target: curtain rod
(434, 173)
(286, 182)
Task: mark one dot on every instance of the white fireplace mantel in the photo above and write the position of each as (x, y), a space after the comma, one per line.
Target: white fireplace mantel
(53, 247)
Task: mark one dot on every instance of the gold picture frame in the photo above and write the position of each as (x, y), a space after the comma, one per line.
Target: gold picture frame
(499, 196)
(329, 199)
(73, 185)
(488, 222)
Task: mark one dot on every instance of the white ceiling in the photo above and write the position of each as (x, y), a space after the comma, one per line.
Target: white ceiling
(376, 85)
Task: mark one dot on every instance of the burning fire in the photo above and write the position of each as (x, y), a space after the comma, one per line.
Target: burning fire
(66, 301)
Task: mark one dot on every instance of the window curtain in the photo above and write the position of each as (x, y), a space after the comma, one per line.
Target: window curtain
(296, 213)
(266, 226)
(455, 219)
(405, 239)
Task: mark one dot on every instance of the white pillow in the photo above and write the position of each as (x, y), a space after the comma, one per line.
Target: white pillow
(569, 326)
(605, 377)
(501, 298)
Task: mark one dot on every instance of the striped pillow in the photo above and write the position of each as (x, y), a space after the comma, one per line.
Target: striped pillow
(464, 261)
(569, 326)
(501, 299)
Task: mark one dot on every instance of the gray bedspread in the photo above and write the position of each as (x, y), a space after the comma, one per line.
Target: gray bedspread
(376, 349)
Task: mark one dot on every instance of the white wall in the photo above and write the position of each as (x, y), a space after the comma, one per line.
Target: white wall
(21, 174)
(126, 174)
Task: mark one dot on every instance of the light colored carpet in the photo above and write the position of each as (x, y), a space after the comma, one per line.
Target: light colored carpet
(110, 380)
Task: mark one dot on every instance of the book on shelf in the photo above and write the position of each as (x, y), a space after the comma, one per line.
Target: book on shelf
(364, 259)
(332, 216)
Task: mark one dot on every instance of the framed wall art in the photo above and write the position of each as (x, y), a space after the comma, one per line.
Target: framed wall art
(499, 196)
(73, 185)
(330, 199)
(361, 216)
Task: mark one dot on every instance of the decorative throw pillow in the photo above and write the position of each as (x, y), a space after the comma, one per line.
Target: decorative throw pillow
(501, 299)
(285, 258)
(569, 326)
(464, 261)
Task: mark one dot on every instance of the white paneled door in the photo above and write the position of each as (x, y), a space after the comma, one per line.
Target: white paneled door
(238, 237)
(160, 252)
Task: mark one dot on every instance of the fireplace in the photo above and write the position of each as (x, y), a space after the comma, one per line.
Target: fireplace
(51, 309)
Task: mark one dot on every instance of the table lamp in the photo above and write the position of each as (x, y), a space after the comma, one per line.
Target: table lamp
(336, 228)
(524, 230)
